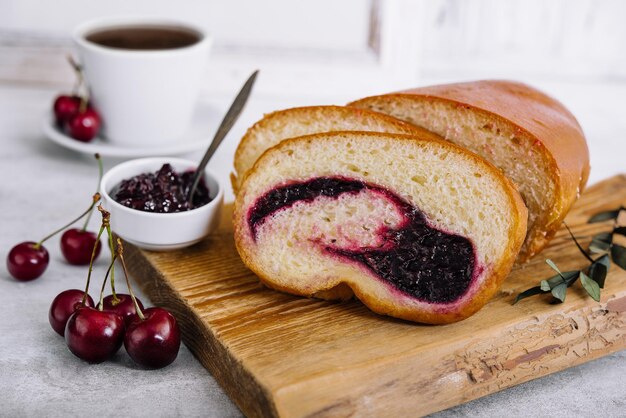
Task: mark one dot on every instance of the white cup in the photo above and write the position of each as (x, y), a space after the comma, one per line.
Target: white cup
(145, 97)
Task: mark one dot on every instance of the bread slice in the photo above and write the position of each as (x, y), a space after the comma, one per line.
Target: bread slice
(289, 123)
(417, 227)
(533, 138)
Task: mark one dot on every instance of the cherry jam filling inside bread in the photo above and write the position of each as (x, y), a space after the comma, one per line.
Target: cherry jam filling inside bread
(429, 264)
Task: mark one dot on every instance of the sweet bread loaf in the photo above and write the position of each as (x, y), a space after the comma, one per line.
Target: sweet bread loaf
(416, 227)
(298, 121)
(533, 138)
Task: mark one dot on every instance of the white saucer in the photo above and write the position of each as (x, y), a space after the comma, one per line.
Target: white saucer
(204, 122)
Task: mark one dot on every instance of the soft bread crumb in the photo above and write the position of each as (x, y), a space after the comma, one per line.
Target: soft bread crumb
(458, 192)
(495, 141)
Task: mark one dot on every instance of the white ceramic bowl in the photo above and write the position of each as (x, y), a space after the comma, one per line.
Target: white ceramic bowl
(160, 231)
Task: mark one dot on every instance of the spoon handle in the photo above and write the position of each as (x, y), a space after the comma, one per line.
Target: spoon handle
(229, 120)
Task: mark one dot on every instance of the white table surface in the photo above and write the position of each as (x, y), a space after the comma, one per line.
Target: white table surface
(42, 185)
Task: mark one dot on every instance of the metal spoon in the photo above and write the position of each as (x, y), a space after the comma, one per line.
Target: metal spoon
(229, 120)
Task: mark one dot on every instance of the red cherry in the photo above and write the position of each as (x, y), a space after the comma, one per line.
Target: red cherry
(26, 261)
(153, 342)
(77, 246)
(63, 306)
(94, 335)
(84, 126)
(65, 107)
(124, 306)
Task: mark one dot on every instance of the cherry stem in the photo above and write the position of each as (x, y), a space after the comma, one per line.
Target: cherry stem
(113, 256)
(97, 188)
(106, 224)
(83, 103)
(96, 198)
(104, 282)
(93, 256)
(87, 219)
(80, 81)
(120, 252)
(78, 71)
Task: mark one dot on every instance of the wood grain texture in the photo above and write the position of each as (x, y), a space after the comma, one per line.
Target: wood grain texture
(281, 355)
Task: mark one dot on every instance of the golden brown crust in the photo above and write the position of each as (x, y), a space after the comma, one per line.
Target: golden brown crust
(518, 216)
(550, 127)
(312, 113)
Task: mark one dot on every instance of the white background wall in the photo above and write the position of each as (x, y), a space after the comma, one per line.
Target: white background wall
(552, 38)
(411, 38)
(377, 43)
(235, 23)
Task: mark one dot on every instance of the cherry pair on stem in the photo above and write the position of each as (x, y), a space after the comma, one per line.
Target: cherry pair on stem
(74, 114)
(28, 260)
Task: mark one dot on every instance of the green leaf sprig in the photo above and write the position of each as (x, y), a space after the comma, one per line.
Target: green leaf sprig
(592, 277)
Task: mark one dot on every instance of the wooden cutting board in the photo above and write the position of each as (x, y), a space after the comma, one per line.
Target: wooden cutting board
(281, 355)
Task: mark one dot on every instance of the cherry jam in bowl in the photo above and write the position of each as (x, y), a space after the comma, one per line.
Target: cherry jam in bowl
(146, 198)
